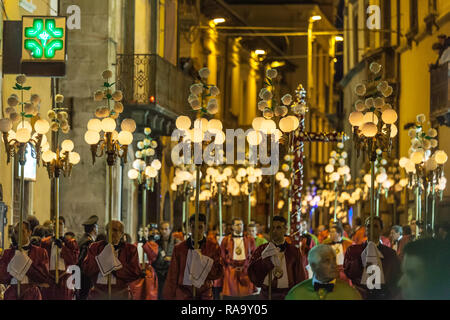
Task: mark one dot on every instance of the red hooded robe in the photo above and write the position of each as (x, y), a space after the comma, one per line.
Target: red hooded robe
(130, 271)
(259, 268)
(37, 274)
(174, 288)
(236, 283)
(69, 253)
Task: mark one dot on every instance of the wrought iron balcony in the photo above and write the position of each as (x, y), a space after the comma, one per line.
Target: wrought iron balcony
(147, 79)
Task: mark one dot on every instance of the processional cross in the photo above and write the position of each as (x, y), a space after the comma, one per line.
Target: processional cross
(300, 137)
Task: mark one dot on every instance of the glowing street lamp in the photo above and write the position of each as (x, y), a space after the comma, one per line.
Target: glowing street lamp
(218, 20)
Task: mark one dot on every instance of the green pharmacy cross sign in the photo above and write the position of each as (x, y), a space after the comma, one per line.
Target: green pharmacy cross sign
(44, 37)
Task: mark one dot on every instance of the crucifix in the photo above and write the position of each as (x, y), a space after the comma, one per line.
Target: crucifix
(299, 139)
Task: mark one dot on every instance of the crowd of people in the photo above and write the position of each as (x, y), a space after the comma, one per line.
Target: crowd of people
(333, 262)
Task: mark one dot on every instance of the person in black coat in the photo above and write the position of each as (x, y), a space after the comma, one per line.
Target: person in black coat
(165, 249)
(89, 236)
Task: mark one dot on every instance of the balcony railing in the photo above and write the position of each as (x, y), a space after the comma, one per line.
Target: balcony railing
(148, 78)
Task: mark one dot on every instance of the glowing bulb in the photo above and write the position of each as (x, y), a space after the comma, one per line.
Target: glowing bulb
(219, 20)
(94, 125)
(417, 157)
(279, 176)
(335, 176)
(133, 174)
(441, 157)
(284, 183)
(389, 116)
(125, 138)
(381, 177)
(329, 168)
(286, 124)
(41, 126)
(151, 172)
(356, 118)
(67, 145)
(128, 125)
(48, 156)
(156, 164)
(108, 124)
(23, 135)
(91, 137)
(257, 123)
(369, 129)
(214, 125)
(74, 158)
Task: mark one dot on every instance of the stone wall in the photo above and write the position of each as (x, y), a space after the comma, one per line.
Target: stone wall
(89, 53)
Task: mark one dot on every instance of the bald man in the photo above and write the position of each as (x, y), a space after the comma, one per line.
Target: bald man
(118, 259)
(325, 283)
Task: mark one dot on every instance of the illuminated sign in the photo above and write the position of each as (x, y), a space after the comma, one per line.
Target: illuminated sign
(43, 38)
(30, 165)
(43, 46)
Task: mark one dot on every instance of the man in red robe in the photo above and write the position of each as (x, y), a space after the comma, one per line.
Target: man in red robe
(29, 266)
(190, 267)
(119, 260)
(237, 249)
(339, 246)
(146, 288)
(399, 240)
(279, 257)
(359, 236)
(67, 249)
(358, 262)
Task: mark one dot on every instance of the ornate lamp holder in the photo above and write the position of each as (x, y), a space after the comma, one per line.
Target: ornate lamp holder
(425, 169)
(112, 143)
(26, 133)
(373, 123)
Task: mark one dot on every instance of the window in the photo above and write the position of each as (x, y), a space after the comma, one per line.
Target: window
(30, 165)
(386, 21)
(413, 16)
(432, 6)
(355, 36)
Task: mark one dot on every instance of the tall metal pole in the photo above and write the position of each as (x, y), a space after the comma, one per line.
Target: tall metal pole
(249, 215)
(22, 160)
(197, 211)
(57, 227)
(377, 201)
(186, 227)
(219, 185)
(433, 203)
(372, 196)
(144, 220)
(110, 223)
(272, 211)
(417, 202)
(183, 208)
(427, 193)
(289, 212)
(335, 201)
